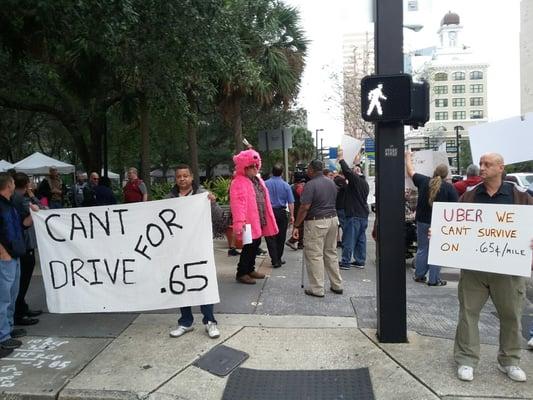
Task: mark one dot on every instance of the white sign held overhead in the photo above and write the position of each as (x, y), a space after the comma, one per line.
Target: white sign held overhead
(350, 147)
(482, 237)
(425, 162)
(128, 257)
(512, 138)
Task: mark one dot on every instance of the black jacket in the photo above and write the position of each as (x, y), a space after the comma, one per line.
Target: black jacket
(355, 193)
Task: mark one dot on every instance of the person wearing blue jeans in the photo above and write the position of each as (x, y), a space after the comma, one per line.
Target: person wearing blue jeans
(356, 215)
(184, 187)
(9, 288)
(187, 318)
(359, 253)
(12, 246)
(348, 242)
(421, 264)
(430, 189)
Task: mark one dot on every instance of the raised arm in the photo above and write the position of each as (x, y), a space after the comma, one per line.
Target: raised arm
(409, 164)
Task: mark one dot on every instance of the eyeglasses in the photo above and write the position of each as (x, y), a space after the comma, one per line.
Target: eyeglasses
(253, 166)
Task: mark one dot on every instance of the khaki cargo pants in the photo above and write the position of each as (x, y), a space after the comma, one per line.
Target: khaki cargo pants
(320, 252)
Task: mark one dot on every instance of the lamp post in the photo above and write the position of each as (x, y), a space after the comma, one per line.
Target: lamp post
(316, 140)
(457, 137)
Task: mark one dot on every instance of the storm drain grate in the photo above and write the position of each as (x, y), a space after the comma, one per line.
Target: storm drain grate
(345, 384)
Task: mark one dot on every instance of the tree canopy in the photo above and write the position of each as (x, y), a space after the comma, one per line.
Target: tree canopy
(144, 76)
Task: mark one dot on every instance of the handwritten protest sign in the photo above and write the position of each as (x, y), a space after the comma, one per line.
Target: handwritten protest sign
(482, 237)
(425, 162)
(128, 257)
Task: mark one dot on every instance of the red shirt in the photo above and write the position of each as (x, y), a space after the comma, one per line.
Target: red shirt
(462, 185)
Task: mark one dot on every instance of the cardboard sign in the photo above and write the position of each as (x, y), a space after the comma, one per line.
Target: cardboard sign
(511, 138)
(425, 162)
(128, 257)
(482, 237)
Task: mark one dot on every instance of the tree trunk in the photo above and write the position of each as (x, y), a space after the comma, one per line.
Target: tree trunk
(208, 171)
(236, 123)
(97, 130)
(144, 113)
(230, 108)
(192, 139)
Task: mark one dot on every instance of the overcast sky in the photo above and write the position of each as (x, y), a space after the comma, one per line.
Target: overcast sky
(490, 28)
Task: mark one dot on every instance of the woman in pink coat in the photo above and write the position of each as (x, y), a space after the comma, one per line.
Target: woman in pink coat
(250, 204)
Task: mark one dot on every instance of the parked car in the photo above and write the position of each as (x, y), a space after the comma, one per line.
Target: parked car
(523, 179)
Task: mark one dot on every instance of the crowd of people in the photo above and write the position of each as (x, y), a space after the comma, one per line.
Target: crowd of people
(318, 206)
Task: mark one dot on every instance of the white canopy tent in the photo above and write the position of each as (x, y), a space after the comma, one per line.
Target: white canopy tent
(5, 165)
(39, 164)
(111, 175)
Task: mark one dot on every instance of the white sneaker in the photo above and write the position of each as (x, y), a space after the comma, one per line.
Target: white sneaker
(465, 373)
(530, 344)
(212, 330)
(513, 372)
(182, 330)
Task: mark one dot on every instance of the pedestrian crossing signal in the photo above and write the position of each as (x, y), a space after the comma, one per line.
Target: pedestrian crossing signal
(394, 98)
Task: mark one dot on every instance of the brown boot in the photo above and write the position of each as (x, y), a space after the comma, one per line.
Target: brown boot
(247, 279)
(257, 275)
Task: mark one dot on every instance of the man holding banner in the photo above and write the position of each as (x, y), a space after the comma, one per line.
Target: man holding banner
(506, 291)
(184, 187)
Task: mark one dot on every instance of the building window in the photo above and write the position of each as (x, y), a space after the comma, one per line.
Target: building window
(458, 76)
(459, 115)
(441, 115)
(441, 102)
(458, 102)
(478, 88)
(476, 101)
(440, 76)
(441, 89)
(476, 114)
(476, 75)
(458, 89)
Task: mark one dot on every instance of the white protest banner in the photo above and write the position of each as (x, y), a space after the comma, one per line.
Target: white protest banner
(128, 257)
(482, 237)
(425, 162)
(350, 148)
(510, 137)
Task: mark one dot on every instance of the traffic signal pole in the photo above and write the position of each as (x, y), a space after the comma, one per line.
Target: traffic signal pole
(390, 186)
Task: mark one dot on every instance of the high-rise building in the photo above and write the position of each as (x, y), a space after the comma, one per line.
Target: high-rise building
(526, 56)
(458, 90)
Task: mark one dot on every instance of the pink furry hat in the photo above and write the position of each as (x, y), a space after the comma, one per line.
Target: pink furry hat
(246, 158)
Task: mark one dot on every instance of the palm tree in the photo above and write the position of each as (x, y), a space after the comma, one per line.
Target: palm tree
(270, 62)
(303, 147)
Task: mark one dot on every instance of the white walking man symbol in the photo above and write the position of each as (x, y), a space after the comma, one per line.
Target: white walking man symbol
(375, 95)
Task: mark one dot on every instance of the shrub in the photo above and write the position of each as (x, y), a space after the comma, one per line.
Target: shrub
(161, 190)
(220, 188)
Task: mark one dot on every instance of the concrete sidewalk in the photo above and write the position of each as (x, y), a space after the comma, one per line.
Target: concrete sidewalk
(131, 356)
